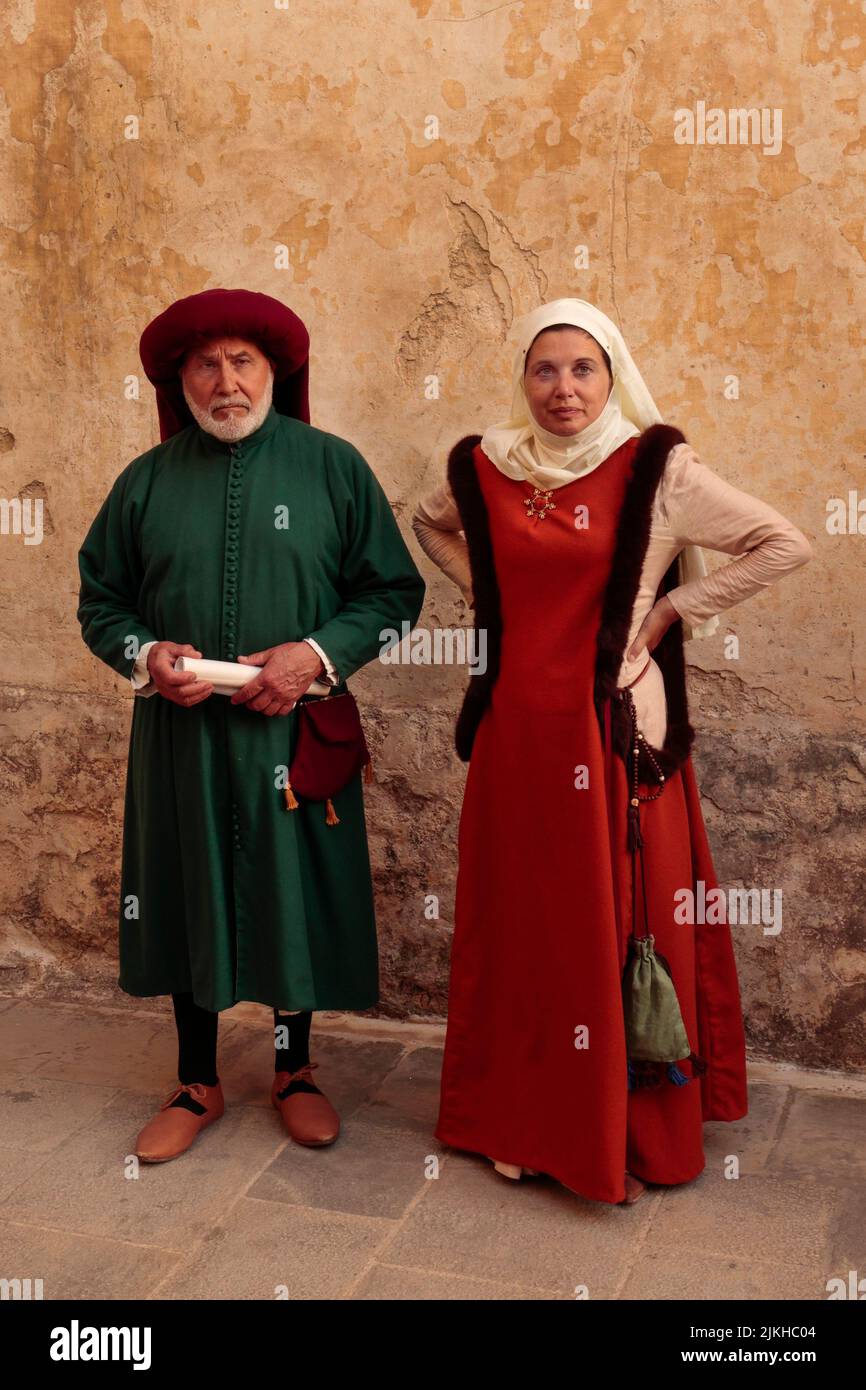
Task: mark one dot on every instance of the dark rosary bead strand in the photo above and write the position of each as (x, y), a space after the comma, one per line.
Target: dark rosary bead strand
(637, 740)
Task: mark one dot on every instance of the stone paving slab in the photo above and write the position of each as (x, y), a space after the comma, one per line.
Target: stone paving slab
(393, 1283)
(38, 1114)
(822, 1140)
(848, 1236)
(83, 1267)
(16, 1166)
(266, 1250)
(66, 1042)
(475, 1223)
(750, 1140)
(375, 1168)
(786, 1224)
(671, 1274)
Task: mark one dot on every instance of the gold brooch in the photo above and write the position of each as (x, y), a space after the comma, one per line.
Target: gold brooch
(539, 504)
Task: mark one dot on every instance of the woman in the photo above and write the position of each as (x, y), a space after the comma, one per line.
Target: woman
(583, 518)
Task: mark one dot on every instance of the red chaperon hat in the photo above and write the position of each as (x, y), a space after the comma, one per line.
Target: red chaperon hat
(226, 314)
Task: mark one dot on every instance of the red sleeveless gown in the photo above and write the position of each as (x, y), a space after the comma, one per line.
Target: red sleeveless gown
(543, 894)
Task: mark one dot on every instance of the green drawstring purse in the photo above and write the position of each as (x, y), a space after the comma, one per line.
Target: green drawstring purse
(654, 1029)
(656, 1038)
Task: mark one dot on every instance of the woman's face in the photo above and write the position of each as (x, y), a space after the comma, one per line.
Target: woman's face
(566, 380)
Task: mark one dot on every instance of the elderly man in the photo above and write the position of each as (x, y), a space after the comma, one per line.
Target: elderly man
(246, 535)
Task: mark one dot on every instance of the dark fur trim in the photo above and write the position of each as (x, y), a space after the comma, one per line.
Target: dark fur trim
(630, 546)
(632, 538)
(463, 478)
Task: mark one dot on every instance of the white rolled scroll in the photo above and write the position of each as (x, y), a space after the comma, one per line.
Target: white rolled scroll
(229, 676)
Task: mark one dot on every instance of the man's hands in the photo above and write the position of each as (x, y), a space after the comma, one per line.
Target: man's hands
(653, 627)
(287, 672)
(181, 687)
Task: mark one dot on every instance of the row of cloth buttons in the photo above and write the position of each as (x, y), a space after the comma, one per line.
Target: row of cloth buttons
(232, 533)
(231, 582)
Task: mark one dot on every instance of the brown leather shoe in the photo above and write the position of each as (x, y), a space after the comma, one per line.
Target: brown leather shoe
(174, 1128)
(309, 1117)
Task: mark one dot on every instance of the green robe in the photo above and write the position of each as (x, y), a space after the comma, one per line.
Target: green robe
(236, 896)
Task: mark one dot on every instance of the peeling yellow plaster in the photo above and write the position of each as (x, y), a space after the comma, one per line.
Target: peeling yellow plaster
(296, 90)
(130, 43)
(306, 234)
(854, 233)
(26, 65)
(708, 303)
(241, 102)
(838, 33)
(392, 232)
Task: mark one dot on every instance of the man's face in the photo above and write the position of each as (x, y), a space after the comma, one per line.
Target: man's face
(228, 386)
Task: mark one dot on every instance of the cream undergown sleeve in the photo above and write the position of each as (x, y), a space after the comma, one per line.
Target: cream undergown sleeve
(437, 526)
(702, 509)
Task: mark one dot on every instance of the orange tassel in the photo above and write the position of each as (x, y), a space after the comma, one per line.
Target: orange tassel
(368, 771)
(331, 818)
(291, 802)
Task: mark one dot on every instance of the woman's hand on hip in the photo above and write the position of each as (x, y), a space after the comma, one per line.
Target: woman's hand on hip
(653, 628)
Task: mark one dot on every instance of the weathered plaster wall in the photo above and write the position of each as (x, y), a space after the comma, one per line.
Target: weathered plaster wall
(409, 256)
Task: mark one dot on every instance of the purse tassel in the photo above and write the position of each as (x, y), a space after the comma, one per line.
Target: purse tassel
(646, 1075)
(643, 1076)
(291, 799)
(635, 837)
(331, 818)
(699, 1066)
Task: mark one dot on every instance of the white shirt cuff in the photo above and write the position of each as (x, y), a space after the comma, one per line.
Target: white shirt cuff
(140, 679)
(330, 675)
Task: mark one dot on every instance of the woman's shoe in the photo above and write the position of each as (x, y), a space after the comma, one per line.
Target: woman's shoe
(513, 1170)
(174, 1128)
(634, 1190)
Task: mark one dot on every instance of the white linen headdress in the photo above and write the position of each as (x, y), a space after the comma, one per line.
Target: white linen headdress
(522, 449)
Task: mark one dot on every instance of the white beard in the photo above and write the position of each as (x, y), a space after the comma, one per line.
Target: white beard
(234, 426)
